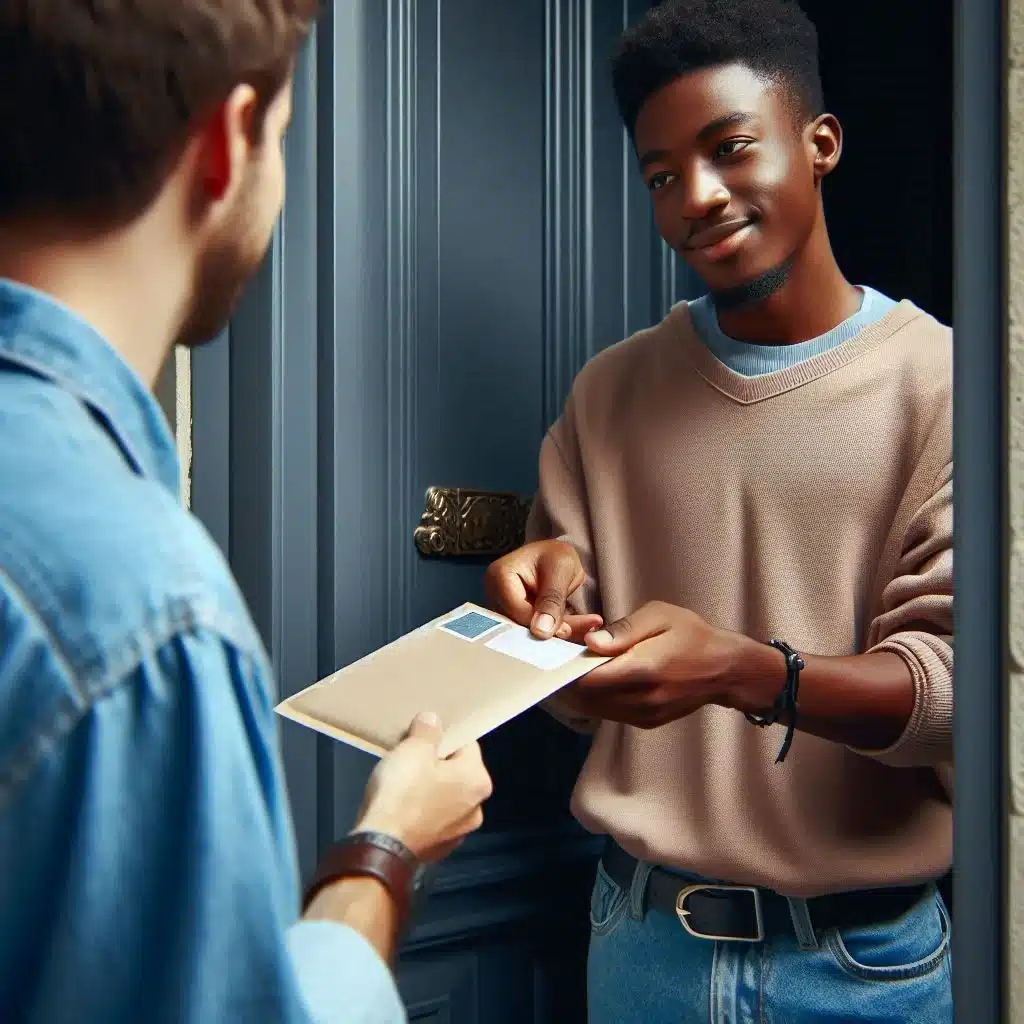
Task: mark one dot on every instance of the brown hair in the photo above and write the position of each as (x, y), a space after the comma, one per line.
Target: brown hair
(97, 99)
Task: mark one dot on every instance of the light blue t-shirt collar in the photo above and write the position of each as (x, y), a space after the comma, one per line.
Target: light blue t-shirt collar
(753, 360)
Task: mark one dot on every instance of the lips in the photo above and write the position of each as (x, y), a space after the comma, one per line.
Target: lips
(708, 237)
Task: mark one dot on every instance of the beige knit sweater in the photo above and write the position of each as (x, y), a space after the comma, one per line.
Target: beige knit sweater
(813, 504)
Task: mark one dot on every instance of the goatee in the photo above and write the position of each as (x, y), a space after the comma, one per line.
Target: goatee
(750, 293)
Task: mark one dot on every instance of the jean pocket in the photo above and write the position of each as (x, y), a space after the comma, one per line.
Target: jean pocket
(608, 903)
(909, 947)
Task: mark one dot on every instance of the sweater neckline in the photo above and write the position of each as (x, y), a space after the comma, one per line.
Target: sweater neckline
(747, 390)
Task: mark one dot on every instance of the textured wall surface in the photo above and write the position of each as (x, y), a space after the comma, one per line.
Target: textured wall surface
(174, 392)
(1015, 185)
(183, 418)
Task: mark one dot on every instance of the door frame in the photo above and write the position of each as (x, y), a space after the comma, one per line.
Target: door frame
(980, 348)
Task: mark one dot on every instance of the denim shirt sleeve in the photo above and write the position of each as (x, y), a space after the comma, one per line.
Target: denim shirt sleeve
(342, 979)
(149, 862)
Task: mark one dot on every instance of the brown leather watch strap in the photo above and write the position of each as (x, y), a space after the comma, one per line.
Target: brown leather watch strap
(370, 855)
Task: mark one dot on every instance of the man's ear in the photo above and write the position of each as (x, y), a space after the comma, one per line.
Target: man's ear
(825, 142)
(224, 140)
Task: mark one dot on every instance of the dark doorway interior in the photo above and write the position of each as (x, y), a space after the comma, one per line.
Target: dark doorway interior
(888, 76)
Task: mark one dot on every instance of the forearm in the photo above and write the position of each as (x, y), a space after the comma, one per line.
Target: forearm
(364, 905)
(863, 700)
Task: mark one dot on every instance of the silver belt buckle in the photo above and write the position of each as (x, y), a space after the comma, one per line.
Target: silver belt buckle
(683, 913)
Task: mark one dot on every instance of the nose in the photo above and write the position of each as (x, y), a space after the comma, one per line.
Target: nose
(703, 192)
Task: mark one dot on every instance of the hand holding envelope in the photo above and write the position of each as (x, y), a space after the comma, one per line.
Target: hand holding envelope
(428, 803)
(532, 585)
(666, 661)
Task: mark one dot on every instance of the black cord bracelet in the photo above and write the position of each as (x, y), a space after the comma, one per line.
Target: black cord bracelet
(786, 702)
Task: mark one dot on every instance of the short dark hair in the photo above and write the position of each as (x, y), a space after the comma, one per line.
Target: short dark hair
(774, 38)
(97, 99)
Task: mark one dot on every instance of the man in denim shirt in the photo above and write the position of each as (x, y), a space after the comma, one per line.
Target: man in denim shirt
(145, 838)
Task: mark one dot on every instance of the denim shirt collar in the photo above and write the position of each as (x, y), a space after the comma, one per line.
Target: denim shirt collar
(45, 338)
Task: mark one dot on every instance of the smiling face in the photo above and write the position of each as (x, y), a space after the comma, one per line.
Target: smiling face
(733, 176)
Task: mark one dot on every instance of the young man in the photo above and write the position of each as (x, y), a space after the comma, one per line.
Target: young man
(145, 838)
(755, 495)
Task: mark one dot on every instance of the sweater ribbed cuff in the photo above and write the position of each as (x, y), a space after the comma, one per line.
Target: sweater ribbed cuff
(928, 738)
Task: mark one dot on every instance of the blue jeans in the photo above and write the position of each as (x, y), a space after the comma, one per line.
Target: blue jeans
(646, 969)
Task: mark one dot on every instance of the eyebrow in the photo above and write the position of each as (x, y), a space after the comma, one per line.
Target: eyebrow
(737, 119)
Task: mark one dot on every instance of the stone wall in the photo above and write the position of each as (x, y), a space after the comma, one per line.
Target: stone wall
(174, 393)
(1015, 186)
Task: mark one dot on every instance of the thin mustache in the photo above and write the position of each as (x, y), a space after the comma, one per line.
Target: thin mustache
(715, 231)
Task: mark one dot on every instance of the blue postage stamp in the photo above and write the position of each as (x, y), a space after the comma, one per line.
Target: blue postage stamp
(470, 625)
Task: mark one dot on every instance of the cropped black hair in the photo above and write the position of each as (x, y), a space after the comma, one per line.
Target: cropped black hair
(774, 38)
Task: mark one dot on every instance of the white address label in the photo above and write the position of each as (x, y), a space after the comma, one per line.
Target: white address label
(545, 654)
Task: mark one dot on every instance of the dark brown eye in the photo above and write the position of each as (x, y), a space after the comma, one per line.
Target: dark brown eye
(659, 180)
(731, 147)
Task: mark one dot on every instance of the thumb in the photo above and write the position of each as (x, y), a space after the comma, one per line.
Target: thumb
(427, 727)
(615, 638)
(619, 636)
(558, 574)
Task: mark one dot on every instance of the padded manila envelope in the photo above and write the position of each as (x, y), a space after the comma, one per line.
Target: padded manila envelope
(474, 668)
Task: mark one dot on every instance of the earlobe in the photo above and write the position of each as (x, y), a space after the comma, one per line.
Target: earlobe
(827, 140)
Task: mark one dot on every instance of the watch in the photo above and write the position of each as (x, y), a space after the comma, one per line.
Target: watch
(373, 855)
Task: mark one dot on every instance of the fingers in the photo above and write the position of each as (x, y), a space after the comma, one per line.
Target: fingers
(456, 836)
(506, 588)
(532, 585)
(618, 637)
(467, 766)
(471, 752)
(576, 627)
(469, 824)
(559, 574)
(426, 727)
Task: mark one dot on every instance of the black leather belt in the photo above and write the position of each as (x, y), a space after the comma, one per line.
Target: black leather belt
(740, 913)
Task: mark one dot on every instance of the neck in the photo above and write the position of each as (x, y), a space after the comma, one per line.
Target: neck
(814, 298)
(126, 284)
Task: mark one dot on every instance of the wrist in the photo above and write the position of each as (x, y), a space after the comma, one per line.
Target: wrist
(384, 824)
(755, 676)
(373, 855)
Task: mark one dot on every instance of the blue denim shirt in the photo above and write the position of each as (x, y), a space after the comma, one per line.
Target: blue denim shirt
(146, 846)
